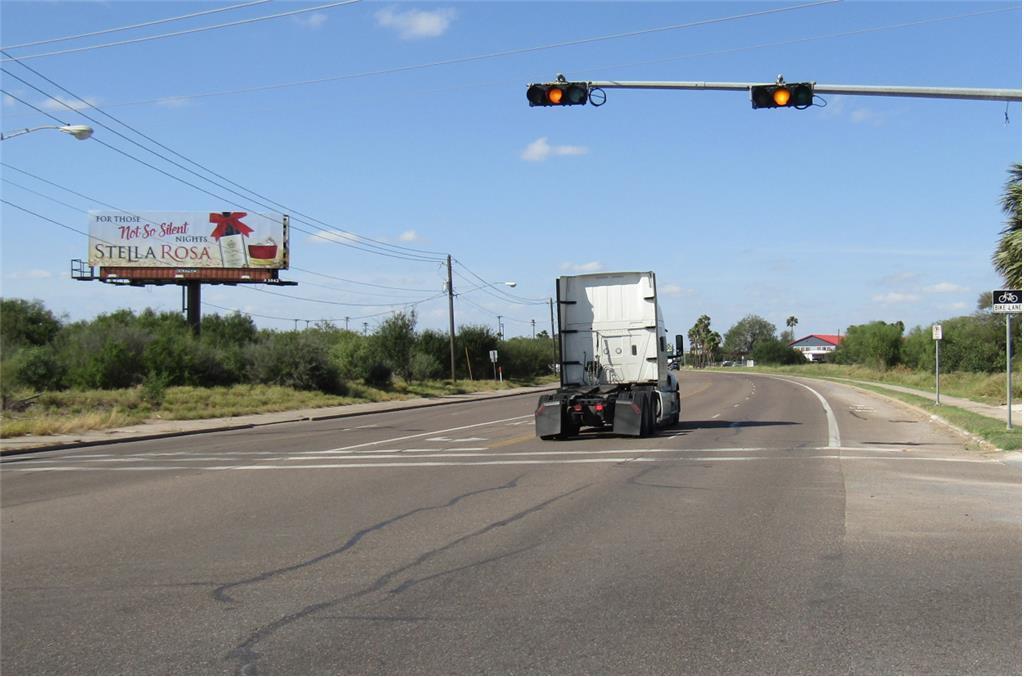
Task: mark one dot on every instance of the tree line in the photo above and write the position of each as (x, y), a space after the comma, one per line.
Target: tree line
(973, 343)
(40, 351)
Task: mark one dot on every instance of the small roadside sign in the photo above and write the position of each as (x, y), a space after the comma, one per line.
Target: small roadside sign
(936, 332)
(494, 355)
(1006, 301)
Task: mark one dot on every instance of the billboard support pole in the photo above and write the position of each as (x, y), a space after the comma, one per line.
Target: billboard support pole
(194, 291)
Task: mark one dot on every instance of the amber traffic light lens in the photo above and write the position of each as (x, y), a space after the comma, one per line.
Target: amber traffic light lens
(555, 95)
(781, 96)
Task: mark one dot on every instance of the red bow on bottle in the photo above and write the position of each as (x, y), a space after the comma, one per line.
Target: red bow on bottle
(229, 223)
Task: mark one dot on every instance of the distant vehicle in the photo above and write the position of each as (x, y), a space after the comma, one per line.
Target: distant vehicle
(727, 363)
(615, 371)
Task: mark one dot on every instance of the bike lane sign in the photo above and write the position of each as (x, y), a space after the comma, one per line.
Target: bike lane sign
(1006, 301)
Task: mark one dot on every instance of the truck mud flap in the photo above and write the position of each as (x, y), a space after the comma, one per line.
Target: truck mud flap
(628, 414)
(548, 416)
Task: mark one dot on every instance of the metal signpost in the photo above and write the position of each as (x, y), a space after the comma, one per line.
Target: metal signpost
(937, 336)
(1007, 301)
(494, 363)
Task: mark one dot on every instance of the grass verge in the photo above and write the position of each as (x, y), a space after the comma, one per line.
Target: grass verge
(980, 387)
(69, 411)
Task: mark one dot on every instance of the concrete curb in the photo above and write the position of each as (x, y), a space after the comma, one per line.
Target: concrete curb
(397, 405)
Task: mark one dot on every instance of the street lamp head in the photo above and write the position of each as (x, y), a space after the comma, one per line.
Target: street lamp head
(80, 132)
(510, 284)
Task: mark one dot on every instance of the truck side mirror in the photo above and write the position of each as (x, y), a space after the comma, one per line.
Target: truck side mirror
(679, 344)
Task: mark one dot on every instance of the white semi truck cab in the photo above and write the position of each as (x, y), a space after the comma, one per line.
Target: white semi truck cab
(614, 359)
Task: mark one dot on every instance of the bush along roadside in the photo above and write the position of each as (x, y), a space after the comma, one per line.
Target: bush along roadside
(123, 367)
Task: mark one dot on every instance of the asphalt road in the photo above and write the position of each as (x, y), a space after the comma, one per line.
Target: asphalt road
(779, 528)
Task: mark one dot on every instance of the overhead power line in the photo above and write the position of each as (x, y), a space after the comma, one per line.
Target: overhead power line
(146, 24)
(186, 32)
(469, 59)
(335, 235)
(143, 220)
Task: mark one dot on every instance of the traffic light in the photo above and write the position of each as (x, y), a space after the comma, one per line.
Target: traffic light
(798, 95)
(558, 94)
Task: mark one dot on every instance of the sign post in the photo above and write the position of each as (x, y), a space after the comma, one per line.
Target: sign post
(494, 363)
(1007, 301)
(937, 335)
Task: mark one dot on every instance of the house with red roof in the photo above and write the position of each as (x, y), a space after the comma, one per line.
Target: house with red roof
(816, 347)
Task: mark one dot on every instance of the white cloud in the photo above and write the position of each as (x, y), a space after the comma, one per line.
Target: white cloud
(63, 103)
(312, 21)
(415, 23)
(409, 236)
(959, 305)
(9, 101)
(895, 297)
(589, 267)
(838, 109)
(944, 288)
(541, 150)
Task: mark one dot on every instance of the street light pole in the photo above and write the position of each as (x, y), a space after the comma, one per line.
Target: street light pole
(80, 132)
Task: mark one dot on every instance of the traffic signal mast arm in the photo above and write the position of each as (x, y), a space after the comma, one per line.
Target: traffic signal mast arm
(858, 90)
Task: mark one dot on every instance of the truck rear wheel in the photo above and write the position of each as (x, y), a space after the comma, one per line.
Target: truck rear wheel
(646, 415)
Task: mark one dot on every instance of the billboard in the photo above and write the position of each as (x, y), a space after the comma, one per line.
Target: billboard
(188, 240)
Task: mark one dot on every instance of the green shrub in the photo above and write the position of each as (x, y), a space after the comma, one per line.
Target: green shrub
(776, 351)
(426, 367)
(877, 345)
(378, 375)
(394, 341)
(525, 357)
(104, 357)
(26, 323)
(351, 353)
(297, 359)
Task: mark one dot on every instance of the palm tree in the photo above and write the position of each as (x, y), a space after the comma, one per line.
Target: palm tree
(791, 322)
(1007, 257)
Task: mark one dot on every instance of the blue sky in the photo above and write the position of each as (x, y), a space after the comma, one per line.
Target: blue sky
(869, 208)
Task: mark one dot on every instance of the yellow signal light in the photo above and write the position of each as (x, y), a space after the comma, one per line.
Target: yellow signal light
(555, 95)
(781, 96)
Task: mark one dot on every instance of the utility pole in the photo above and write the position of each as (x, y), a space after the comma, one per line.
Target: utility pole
(499, 328)
(533, 327)
(346, 323)
(451, 318)
(366, 328)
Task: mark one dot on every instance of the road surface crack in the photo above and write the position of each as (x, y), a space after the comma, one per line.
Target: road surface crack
(247, 656)
(220, 593)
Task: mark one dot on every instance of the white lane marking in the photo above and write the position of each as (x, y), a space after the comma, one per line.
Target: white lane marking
(457, 439)
(432, 432)
(624, 459)
(833, 425)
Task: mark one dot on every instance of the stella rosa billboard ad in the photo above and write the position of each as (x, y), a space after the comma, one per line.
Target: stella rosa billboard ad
(187, 240)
